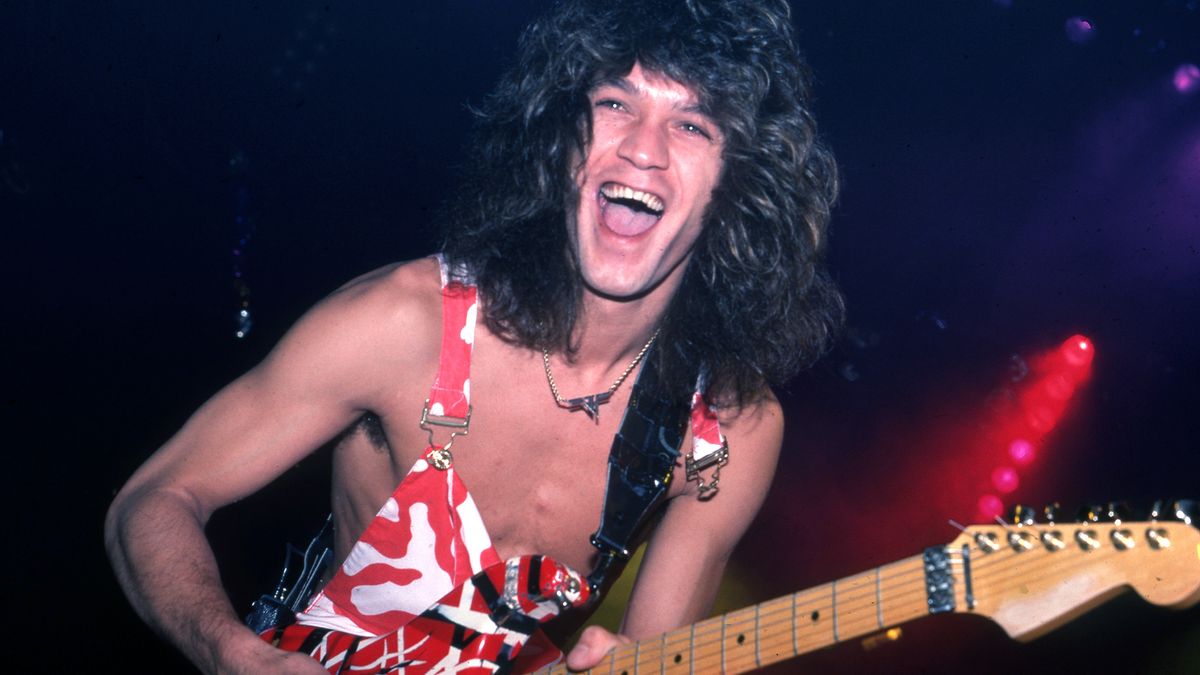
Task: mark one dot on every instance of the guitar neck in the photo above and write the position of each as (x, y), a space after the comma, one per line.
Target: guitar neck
(1029, 579)
(782, 628)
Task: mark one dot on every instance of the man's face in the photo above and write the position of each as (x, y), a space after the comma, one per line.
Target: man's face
(650, 170)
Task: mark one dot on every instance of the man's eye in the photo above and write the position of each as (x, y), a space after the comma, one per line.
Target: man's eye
(696, 130)
(609, 104)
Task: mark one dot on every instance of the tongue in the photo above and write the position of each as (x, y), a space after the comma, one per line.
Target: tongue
(625, 221)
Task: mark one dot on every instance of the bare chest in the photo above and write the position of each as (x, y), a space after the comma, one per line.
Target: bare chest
(536, 472)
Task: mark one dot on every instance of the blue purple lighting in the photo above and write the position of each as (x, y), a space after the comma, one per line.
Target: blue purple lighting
(1079, 30)
(1187, 78)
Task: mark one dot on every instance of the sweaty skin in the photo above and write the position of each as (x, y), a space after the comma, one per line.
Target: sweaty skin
(373, 346)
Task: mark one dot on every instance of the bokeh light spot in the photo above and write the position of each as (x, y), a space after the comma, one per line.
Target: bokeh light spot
(1079, 30)
(1005, 479)
(1021, 451)
(990, 507)
(1187, 78)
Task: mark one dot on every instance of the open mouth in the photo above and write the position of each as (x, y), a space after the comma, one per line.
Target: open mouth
(627, 211)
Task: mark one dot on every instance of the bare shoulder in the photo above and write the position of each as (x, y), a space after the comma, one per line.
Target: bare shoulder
(387, 317)
(404, 294)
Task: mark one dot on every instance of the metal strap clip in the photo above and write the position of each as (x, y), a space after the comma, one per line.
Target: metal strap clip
(693, 466)
(443, 421)
(462, 424)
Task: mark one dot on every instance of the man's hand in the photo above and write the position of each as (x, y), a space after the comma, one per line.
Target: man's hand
(593, 644)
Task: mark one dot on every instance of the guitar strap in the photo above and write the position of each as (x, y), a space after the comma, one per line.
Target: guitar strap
(640, 466)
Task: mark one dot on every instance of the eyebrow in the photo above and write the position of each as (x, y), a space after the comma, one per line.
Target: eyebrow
(634, 90)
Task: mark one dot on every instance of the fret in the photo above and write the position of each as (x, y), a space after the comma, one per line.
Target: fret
(833, 601)
(878, 600)
(795, 629)
(692, 650)
(757, 623)
(723, 668)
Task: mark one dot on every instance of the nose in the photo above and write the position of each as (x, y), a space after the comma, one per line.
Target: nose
(645, 146)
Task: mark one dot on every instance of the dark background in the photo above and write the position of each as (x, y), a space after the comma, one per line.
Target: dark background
(1005, 187)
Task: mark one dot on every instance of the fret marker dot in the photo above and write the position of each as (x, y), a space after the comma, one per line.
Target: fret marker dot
(816, 615)
(741, 639)
(678, 658)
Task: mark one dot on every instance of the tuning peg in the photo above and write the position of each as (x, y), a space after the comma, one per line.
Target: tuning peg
(1159, 510)
(1090, 513)
(1115, 512)
(1051, 512)
(1184, 510)
(1022, 515)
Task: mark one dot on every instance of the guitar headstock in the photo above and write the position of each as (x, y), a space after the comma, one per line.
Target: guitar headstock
(1030, 577)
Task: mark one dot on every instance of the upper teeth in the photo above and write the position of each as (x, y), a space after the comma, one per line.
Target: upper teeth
(625, 192)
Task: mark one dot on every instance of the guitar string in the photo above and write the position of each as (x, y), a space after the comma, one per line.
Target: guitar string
(1055, 561)
(995, 579)
(1017, 575)
(712, 626)
(982, 570)
(709, 629)
(850, 603)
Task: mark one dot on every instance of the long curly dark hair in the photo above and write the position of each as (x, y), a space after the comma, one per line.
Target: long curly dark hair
(755, 305)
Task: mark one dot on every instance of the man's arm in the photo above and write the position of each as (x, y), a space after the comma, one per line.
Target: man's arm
(316, 382)
(686, 555)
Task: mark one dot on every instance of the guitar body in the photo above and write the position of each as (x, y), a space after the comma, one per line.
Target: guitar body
(487, 625)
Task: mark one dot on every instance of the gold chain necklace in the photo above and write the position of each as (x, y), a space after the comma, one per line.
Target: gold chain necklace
(591, 404)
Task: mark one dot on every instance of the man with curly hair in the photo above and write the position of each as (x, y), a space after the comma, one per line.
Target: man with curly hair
(647, 193)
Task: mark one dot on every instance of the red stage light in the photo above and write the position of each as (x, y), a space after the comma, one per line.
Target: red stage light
(1005, 479)
(990, 507)
(1021, 451)
(1059, 387)
(1078, 351)
(1041, 418)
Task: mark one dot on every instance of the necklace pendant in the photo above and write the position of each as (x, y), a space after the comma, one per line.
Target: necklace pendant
(590, 404)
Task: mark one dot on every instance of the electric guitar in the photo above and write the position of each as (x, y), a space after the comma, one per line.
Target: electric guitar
(1029, 578)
